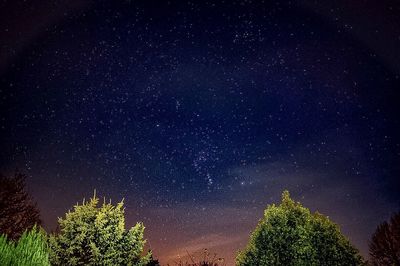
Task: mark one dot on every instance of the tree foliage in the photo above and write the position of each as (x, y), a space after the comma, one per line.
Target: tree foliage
(31, 249)
(18, 212)
(92, 235)
(384, 247)
(289, 234)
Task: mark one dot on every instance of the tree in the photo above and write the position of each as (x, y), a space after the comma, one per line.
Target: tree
(92, 235)
(18, 212)
(289, 234)
(384, 247)
(30, 249)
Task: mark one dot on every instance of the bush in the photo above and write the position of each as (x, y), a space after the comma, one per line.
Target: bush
(289, 234)
(205, 260)
(152, 261)
(92, 235)
(31, 249)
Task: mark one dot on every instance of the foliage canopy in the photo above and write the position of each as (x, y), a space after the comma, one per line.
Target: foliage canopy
(30, 249)
(92, 235)
(289, 234)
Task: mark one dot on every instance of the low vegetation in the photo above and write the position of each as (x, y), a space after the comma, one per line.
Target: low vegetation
(206, 259)
(94, 234)
(30, 249)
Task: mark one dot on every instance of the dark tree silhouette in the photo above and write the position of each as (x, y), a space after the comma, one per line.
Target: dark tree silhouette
(205, 260)
(18, 212)
(384, 247)
(152, 262)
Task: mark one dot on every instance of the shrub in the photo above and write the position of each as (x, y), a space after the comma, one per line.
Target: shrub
(152, 261)
(289, 234)
(92, 235)
(205, 260)
(31, 249)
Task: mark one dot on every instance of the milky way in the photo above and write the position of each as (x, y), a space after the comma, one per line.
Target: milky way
(199, 115)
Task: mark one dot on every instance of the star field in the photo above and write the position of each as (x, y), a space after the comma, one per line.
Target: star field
(200, 114)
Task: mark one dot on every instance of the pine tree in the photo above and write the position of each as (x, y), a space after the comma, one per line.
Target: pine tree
(18, 212)
(289, 234)
(92, 235)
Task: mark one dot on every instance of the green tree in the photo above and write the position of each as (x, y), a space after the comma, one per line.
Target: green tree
(31, 249)
(289, 234)
(92, 235)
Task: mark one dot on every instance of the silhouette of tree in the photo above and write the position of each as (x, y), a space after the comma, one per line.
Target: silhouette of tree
(18, 212)
(205, 260)
(384, 247)
(152, 261)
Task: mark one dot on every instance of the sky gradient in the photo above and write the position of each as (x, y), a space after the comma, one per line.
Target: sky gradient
(199, 115)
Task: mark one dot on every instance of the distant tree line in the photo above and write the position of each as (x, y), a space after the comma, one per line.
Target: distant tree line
(93, 233)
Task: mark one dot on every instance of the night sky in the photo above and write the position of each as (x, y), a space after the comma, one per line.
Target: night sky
(200, 114)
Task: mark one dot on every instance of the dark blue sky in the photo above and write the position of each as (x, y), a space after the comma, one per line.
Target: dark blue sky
(201, 114)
